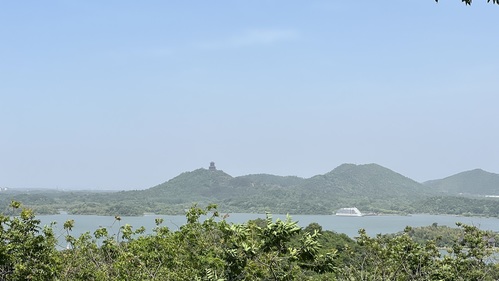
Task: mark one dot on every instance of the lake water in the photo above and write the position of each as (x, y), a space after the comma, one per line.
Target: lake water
(348, 225)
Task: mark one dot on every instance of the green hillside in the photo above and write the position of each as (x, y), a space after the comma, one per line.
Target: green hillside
(474, 182)
(251, 193)
(370, 187)
(373, 181)
(270, 180)
(200, 184)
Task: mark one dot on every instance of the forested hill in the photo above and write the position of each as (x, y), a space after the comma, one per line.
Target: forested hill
(475, 182)
(200, 184)
(370, 187)
(345, 180)
(373, 181)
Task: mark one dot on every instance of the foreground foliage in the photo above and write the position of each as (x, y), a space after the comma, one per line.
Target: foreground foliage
(209, 248)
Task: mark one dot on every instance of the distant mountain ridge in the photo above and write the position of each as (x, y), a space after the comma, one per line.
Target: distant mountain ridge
(475, 182)
(369, 187)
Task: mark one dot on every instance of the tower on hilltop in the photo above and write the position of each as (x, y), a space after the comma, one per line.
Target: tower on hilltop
(212, 166)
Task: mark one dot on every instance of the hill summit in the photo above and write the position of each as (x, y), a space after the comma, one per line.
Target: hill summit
(474, 182)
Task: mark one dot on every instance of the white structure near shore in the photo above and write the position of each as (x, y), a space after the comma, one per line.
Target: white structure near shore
(349, 212)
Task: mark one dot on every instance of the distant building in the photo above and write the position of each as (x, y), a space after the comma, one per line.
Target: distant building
(212, 166)
(349, 212)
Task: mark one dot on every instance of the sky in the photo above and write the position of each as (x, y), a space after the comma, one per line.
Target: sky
(129, 94)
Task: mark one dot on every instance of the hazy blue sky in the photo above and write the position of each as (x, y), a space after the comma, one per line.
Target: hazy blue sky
(128, 94)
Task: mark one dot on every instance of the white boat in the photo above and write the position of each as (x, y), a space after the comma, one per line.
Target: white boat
(349, 212)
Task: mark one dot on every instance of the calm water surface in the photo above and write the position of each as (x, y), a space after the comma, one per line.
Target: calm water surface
(348, 225)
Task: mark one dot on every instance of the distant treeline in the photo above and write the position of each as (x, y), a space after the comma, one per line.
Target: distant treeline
(371, 188)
